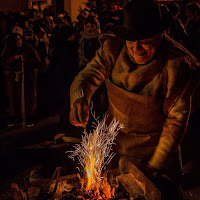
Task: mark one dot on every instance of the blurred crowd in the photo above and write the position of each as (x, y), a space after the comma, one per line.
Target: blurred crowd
(53, 49)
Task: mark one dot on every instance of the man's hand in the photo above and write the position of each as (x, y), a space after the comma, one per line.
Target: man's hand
(79, 113)
(17, 57)
(21, 57)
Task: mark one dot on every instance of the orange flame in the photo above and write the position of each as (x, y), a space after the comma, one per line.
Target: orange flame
(94, 153)
(90, 166)
(100, 189)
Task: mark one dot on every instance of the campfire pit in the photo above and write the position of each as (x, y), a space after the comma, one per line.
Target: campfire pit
(91, 182)
(126, 186)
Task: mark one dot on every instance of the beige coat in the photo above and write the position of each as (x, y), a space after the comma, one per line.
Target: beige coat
(159, 95)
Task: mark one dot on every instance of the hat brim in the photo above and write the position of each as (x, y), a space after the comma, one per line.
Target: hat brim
(133, 35)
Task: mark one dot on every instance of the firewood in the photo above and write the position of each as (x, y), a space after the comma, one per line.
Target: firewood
(67, 187)
(72, 178)
(131, 185)
(150, 190)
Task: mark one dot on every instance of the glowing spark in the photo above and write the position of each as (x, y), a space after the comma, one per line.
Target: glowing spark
(94, 152)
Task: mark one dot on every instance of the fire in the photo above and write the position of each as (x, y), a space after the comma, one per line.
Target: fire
(94, 153)
(90, 169)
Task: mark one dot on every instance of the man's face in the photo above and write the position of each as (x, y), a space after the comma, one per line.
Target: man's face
(29, 37)
(143, 51)
(48, 21)
(65, 22)
(71, 38)
(18, 41)
(90, 28)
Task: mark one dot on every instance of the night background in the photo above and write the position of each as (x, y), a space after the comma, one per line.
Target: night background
(34, 108)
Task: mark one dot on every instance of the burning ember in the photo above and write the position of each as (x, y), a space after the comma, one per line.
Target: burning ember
(93, 154)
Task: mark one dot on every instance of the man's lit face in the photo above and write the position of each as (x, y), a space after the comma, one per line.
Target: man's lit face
(143, 51)
(18, 41)
(90, 28)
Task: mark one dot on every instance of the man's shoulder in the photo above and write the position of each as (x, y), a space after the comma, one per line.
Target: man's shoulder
(111, 42)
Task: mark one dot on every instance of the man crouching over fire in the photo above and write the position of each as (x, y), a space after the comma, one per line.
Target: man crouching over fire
(149, 79)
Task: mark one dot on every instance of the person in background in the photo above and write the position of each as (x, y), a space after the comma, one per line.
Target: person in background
(62, 20)
(49, 25)
(43, 52)
(30, 37)
(107, 17)
(83, 14)
(193, 28)
(14, 53)
(93, 13)
(193, 15)
(178, 31)
(150, 81)
(62, 70)
(89, 43)
(192, 137)
(42, 47)
(3, 33)
(31, 23)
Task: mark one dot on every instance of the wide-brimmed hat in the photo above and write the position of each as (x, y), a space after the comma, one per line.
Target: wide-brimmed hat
(142, 20)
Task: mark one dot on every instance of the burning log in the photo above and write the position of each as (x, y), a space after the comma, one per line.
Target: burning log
(131, 185)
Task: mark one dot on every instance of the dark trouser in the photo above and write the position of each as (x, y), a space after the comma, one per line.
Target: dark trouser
(65, 108)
